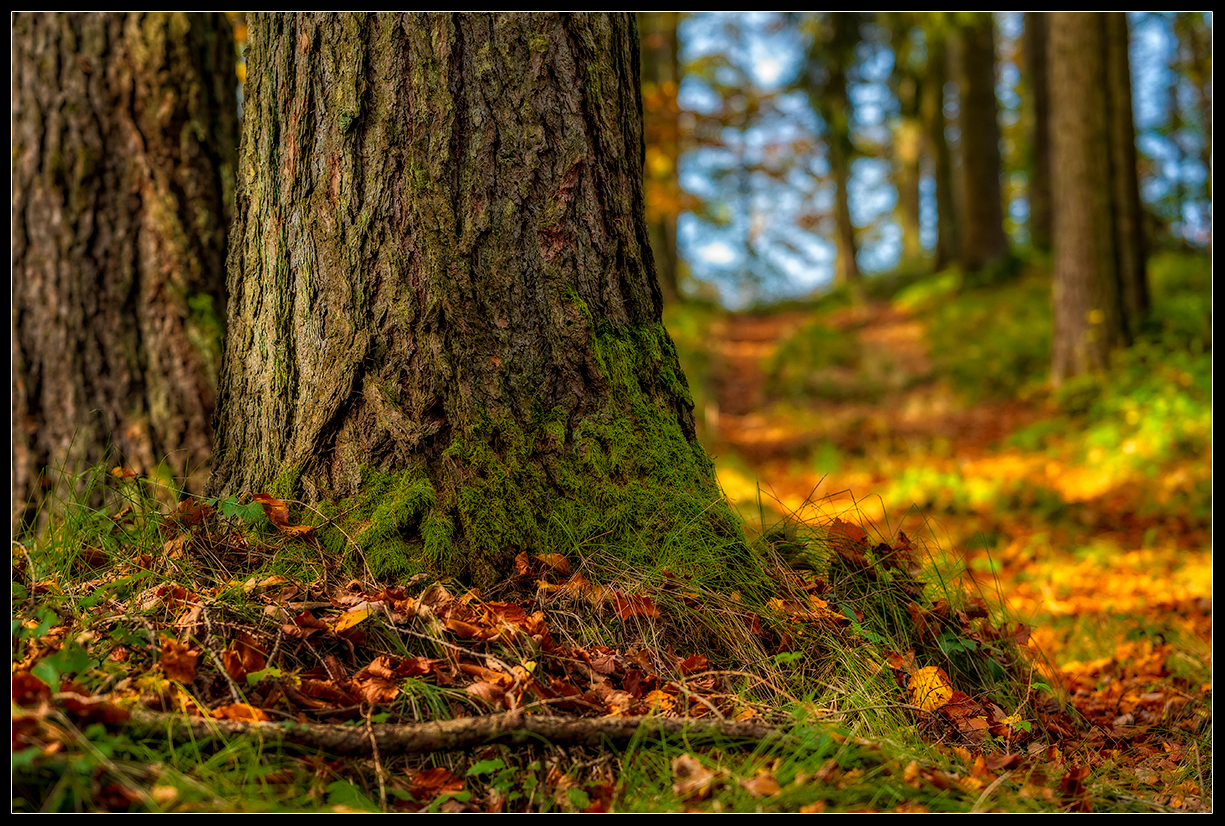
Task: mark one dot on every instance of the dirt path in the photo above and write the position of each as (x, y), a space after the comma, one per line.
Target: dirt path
(888, 400)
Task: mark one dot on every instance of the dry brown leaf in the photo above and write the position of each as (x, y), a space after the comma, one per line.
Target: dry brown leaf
(693, 781)
(763, 785)
(178, 661)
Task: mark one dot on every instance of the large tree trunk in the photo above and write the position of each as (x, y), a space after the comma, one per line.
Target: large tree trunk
(124, 136)
(983, 241)
(443, 303)
(1087, 307)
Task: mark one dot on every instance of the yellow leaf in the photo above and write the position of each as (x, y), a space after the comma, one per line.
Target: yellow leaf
(930, 688)
(351, 618)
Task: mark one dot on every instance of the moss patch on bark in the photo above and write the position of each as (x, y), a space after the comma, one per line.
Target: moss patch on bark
(622, 492)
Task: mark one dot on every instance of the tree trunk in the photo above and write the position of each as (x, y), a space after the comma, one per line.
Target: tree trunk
(661, 77)
(1088, 311)
(124, 136)
(1128, 213)
(932, 111)
(1039, 111)
(907, 141)
(445, 326)
(983, 241)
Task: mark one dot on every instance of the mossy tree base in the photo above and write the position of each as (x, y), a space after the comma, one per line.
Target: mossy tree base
(445, 321)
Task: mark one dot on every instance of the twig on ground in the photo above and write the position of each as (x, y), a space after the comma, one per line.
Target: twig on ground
(465, 732)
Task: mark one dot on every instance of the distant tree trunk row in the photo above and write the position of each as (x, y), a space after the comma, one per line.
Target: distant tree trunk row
(1039, 133)
(937, 146)
(661, 77)
(124, 135)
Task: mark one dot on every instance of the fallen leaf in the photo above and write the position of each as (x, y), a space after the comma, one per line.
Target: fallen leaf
(240, 712)
(178, 661)
(278, 514)
(692, 779)
(763, 785)
(631, 605)
(930, 688)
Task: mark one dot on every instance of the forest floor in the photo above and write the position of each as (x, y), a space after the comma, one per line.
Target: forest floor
(1118, 592)
(964, 592)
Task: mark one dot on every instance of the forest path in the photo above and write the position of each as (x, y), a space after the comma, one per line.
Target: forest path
(890, 398)
(886, 441)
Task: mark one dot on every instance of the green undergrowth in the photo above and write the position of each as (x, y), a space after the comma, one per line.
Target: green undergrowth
(813, 361)
(1013, 357)
(690, 325)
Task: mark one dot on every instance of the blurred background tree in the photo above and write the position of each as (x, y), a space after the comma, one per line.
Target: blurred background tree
(812, 147)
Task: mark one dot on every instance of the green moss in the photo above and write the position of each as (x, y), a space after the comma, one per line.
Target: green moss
(572, 296)
(622, 491)
(384, 526)
(284, 486)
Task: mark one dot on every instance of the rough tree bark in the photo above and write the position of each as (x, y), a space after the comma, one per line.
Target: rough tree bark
(124, 141)
(983, 241)
(1088, 312)
(444, 319)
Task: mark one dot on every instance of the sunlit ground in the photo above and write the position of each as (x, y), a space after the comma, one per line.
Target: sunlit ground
(1097, 548)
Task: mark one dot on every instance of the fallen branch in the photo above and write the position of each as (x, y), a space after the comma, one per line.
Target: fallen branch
(463, 733)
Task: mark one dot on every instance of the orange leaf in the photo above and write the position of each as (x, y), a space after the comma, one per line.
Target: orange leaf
(178, 661)
(763, 785)
(630, 605)
(278, 514)
(240, 711)
(557, 563)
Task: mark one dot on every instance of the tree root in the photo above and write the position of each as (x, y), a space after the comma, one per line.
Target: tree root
(448, 735)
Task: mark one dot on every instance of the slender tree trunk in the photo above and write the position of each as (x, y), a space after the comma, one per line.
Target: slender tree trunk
(661, 77)
(445, 321)
(932, 111)
(1128, 213)
(836, 112)
(983, 241)
(1088, 311)
(908, 149)
(124, 135)
(1036, 36)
